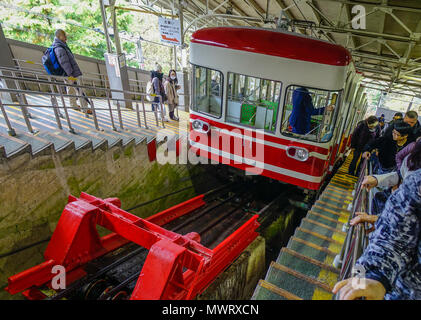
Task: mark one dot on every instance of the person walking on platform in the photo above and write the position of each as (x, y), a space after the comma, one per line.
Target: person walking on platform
(389, 182)
(387, 147)
(171, 86)
(158, 88)
(68, 62)
(365, 132)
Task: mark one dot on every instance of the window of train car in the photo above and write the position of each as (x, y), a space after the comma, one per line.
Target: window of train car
(310, 113)
(208, 84)
(252, 101)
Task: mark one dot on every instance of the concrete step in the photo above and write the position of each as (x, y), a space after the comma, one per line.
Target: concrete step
(14, 146)
(308, 266)
(329, 211)
(59, 141)
(308, 251)
(298, 283)
(97, 140)
(311, 249)
(80, 141)
(38, 144)
(268, 291)
(326, 198)
(324, 219)
(341, 206)
(129, 135)
(318, 239)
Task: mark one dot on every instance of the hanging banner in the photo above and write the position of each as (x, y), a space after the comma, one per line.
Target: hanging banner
(170, 31)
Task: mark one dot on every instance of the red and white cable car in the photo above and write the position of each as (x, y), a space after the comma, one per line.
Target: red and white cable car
(272, 103)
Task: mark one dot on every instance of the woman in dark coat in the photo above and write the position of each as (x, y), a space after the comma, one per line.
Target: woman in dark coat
(365, 132)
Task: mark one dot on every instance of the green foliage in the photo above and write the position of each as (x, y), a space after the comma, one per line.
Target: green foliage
(35, 21)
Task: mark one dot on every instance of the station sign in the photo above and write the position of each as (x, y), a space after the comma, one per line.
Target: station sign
(170, 31)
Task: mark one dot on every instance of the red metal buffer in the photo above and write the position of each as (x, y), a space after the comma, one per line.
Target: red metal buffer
(75, 242)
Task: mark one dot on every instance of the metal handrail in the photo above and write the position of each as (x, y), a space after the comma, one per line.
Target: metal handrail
(102, 77)
(54, 84)
(356, 239)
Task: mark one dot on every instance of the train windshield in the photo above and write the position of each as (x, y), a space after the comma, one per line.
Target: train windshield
(252, 101)
(208, 84)
(310, 113)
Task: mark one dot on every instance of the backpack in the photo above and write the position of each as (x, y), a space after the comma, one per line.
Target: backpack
(150, 91)
(51, 64)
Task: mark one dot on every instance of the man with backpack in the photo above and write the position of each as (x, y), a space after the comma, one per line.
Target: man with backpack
(65, 65)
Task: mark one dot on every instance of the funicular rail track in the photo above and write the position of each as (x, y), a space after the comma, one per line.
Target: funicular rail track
(114, 275)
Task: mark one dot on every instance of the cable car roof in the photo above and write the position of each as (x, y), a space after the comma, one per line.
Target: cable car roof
(275, 43)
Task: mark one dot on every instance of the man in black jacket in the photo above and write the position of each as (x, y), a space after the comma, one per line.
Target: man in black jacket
(411, 118)
(366, 131)
(387, 147)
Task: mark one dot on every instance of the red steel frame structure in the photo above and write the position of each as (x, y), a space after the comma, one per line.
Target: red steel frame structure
(75, 242)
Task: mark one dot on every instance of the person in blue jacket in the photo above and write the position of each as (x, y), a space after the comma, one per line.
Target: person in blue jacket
(391, 263)
(302, 110)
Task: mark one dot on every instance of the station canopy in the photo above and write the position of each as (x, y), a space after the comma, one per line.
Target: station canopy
(387, 49)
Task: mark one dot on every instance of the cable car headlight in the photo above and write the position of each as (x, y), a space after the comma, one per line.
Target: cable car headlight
(201, 126)
(300, 154)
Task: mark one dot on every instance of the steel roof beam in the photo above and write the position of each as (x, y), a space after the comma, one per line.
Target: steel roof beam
(318, 16)
(366, 34)
(255, 6)
(234, 6)
(379, 5)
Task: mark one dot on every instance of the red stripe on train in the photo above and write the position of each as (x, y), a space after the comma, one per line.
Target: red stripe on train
(281, 141)
(270, 174)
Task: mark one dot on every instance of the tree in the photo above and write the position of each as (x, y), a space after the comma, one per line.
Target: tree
(35, 21)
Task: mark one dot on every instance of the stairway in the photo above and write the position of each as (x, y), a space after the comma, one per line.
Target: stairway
(47, 138)
(303, 269)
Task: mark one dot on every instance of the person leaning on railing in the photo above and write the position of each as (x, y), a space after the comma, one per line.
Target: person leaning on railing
(391, 263)
(388, 146)
(366, 131)
(390, 181)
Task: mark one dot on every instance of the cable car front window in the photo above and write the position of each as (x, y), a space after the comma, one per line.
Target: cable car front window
(310, 113)
(208, 85)
(252, 102)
